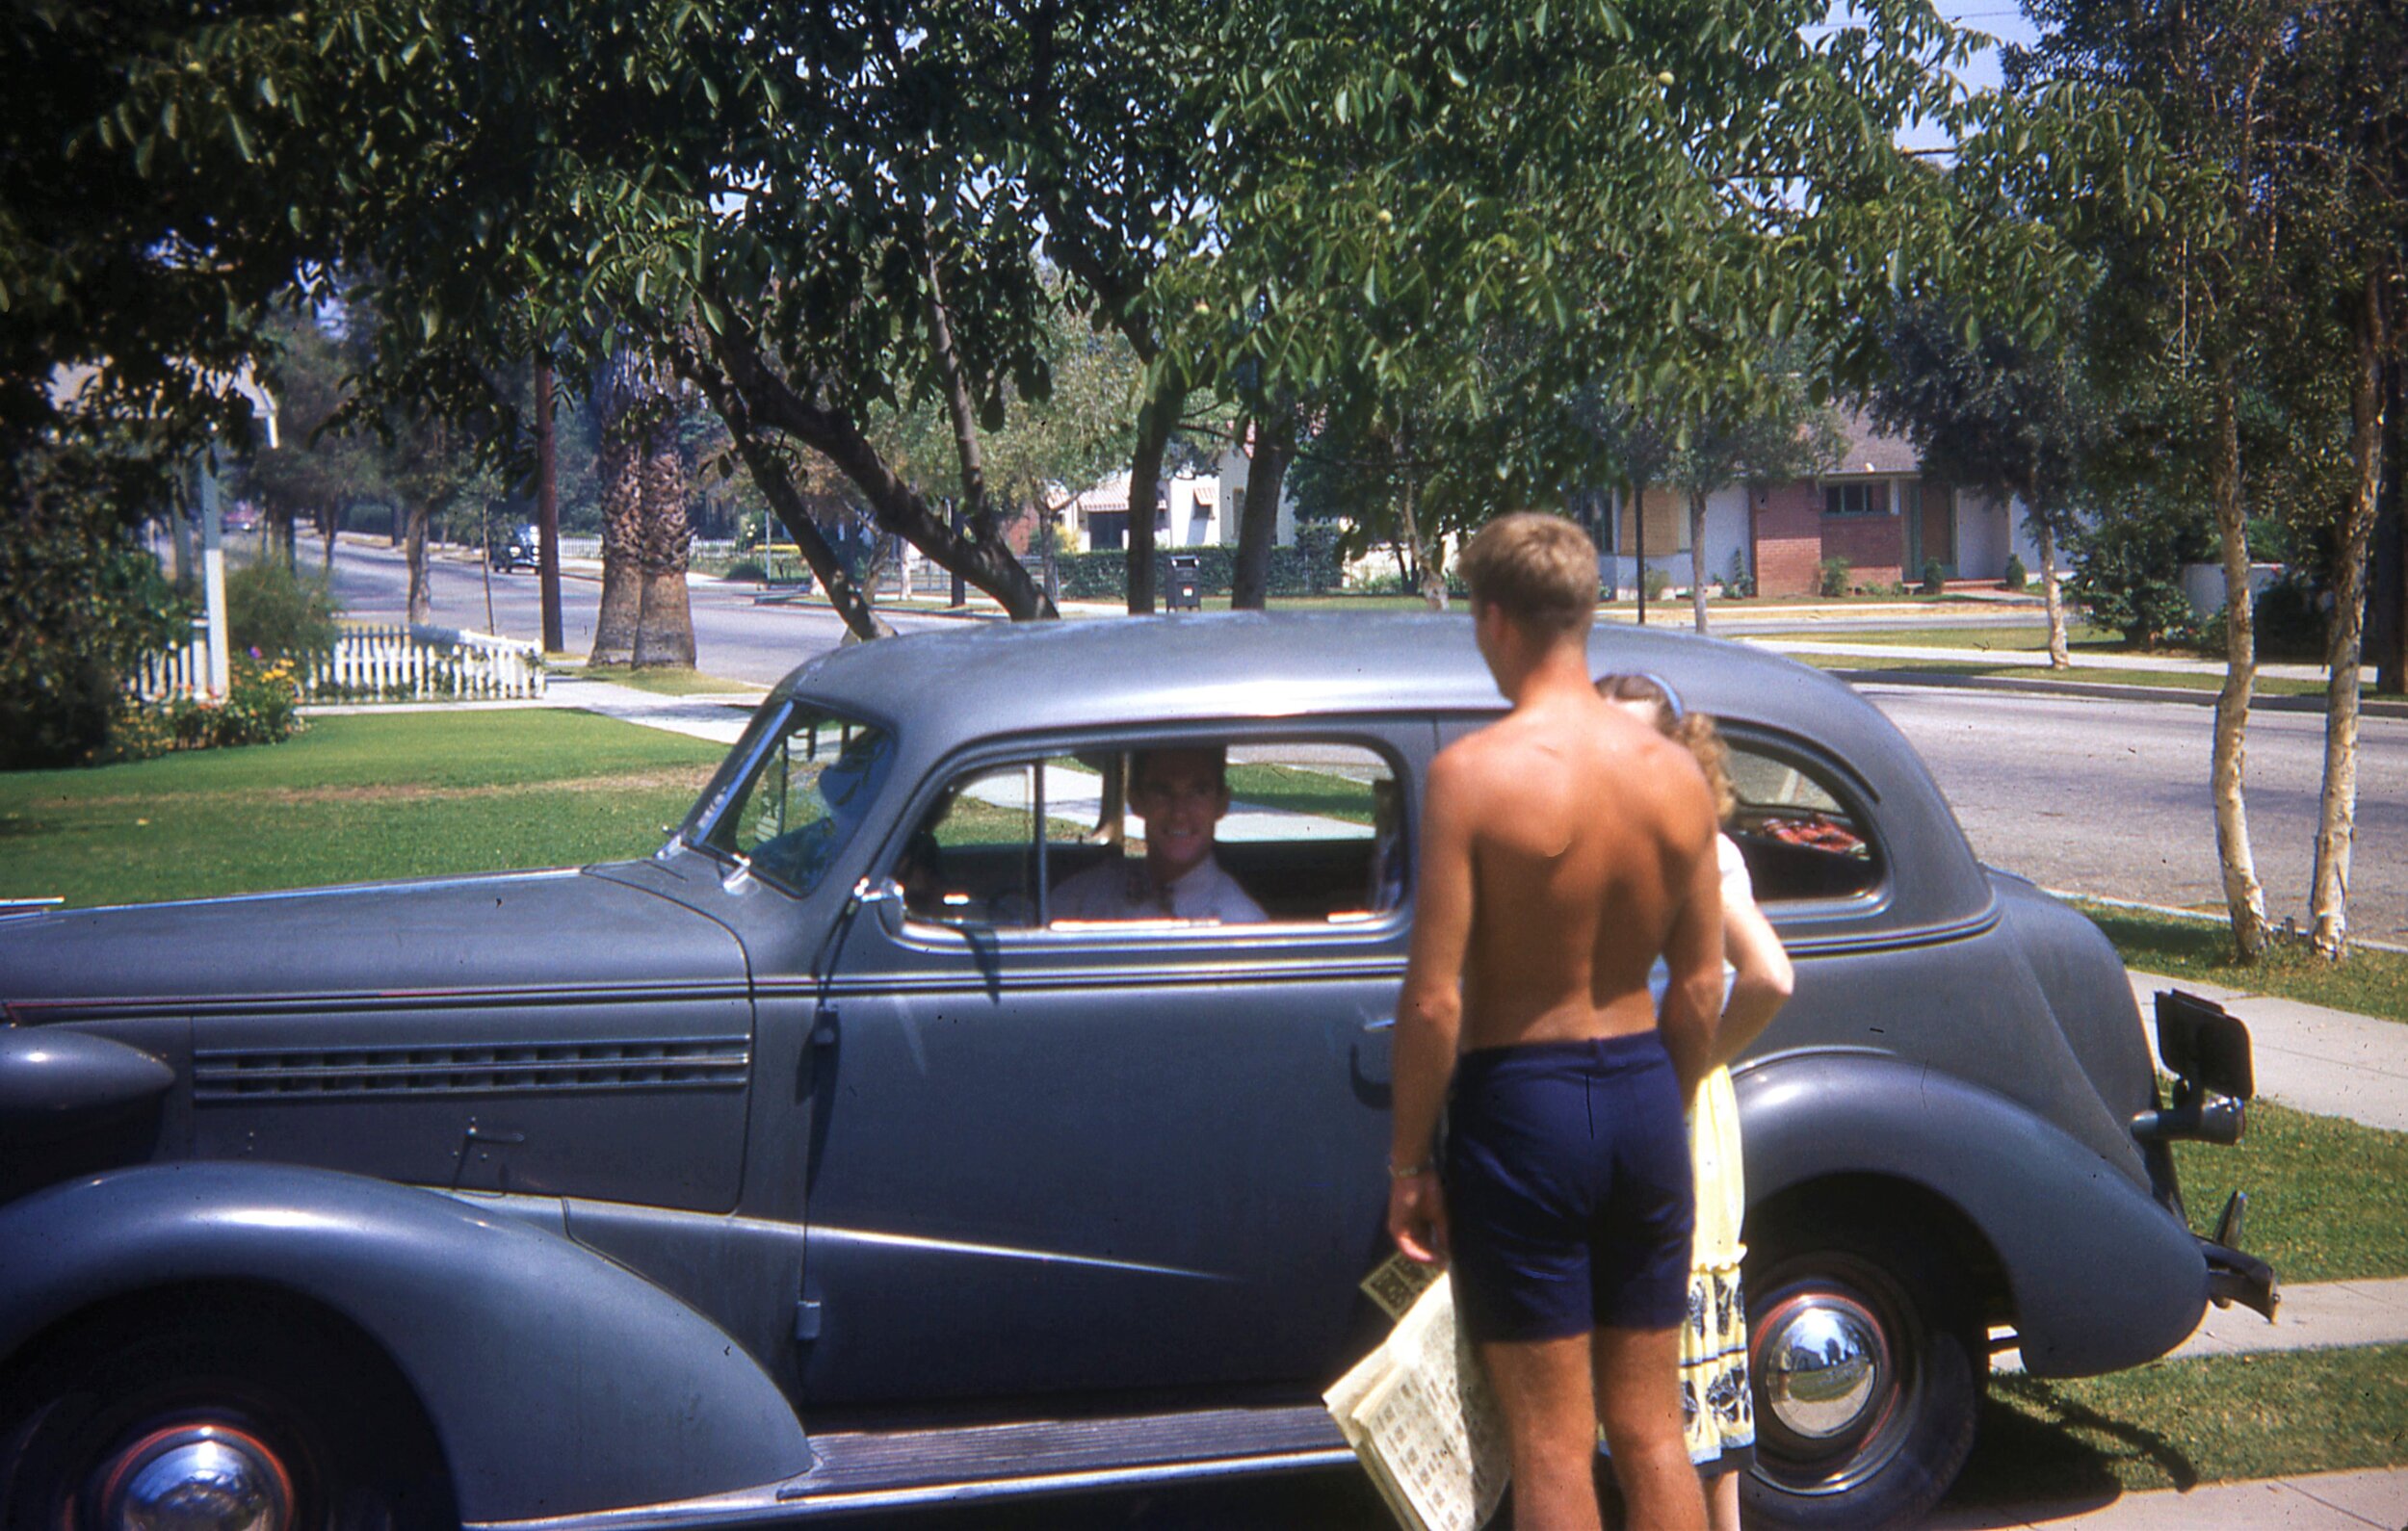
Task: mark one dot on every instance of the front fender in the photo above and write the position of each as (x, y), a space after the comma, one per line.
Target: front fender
(557, 1382)
(2100, 1277)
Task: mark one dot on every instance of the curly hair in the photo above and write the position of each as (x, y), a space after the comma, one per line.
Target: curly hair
(1694, 732)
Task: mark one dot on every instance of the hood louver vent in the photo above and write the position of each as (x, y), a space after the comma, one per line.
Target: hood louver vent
(710, 1063)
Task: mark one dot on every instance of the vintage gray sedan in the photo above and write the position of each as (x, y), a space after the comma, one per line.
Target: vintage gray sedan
(819, 1162)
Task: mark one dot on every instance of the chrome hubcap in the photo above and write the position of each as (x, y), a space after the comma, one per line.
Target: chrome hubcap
(1826, 1368)
(193, 1477)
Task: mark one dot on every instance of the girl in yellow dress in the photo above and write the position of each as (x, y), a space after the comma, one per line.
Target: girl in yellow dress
(1720, 1415)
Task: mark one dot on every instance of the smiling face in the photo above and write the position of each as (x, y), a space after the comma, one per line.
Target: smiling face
(1181, 795)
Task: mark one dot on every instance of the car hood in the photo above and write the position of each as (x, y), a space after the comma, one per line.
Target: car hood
(542, 929)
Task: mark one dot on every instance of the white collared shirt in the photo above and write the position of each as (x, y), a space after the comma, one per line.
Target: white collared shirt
(1124, 890)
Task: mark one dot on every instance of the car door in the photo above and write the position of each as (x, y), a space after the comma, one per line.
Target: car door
(1101, 1157)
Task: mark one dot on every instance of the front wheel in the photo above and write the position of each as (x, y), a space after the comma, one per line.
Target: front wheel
(214, 1416)
(1868, 1365)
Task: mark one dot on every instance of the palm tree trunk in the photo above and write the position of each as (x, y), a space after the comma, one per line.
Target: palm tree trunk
(2244, 896)
(622, 473)
(664, 614)
(2328, 903)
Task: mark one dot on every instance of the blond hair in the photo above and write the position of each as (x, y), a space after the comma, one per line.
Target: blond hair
(1694, 732)
(1541, 570)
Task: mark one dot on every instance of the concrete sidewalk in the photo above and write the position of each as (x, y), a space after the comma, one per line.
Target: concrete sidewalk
(721, 719)
(2324, 1501)
(2330, 1062)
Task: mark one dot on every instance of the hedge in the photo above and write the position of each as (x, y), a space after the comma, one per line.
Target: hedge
(1308, 568)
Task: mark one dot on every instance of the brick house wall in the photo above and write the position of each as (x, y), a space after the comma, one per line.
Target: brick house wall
(1789, 538)
(1874, 545)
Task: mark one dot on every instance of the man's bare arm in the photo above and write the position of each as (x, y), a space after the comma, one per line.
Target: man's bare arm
(1693, 1001)
(1429, 1012)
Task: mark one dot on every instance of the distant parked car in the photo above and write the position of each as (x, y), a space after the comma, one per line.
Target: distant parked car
(818, 1163)
(522, 548)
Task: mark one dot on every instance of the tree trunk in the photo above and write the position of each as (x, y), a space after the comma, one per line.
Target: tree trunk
(2244, 898)
(737, 378)
(1156, 416)
(1433, 579)
(769, 470)
(664, 612)
(547, 511)
(2388, 583)
(619, 467)
(1257, 521)
(2328, 903)
(1697, 557)
(2052, 592)
(1638, 543)
(327, 519)
(414, 552)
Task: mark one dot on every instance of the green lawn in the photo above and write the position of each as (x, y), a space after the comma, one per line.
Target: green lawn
(2367, 982)
(2180, 680)
(2173, 1424)
(2328, 1198)
(2025, 639)
(351, 799)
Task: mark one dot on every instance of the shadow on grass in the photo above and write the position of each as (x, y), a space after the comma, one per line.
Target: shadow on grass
(2037, 1445)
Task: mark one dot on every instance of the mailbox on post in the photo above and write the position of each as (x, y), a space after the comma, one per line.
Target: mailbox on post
(1187, 582)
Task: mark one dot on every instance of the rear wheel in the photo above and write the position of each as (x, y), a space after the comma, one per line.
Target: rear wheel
(213, 1417)
(1867, 1364)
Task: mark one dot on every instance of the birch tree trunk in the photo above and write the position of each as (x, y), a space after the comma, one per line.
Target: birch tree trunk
(1697, 557)
(1433, 578)
(2328, 900)
(2052, 593)
(2244, 898)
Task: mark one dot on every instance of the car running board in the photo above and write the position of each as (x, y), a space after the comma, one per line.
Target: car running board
(863, 1470)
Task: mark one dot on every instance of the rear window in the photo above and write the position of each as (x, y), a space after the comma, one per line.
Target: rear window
(1799, 835)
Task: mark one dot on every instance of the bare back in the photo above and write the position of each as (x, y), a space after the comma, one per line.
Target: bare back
(1586, 831)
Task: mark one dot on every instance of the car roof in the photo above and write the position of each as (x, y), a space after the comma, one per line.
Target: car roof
(941, 691)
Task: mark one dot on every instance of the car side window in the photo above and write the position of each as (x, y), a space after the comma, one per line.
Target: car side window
(1800, 838)
(1163, 837)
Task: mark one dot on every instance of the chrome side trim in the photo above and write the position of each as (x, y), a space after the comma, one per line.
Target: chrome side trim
(777, 1504)
(821, 1232)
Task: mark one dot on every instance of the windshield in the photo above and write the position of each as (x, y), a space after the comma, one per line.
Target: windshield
(803, 797)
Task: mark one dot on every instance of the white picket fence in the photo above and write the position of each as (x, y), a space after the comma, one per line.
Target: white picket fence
(424, 664)
(179, 672)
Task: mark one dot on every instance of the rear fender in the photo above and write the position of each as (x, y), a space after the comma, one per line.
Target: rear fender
(557, 1382)
(2099, 1276)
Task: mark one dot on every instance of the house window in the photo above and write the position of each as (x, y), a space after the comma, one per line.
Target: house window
(1667, 524)
(1859, 498)
(1107, 530)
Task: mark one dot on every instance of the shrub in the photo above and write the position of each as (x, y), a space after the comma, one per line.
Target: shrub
(272, 612)
(2017, 576)
(2128, 566)
(1311, 567)
(1935, 577)
(1831, 578)
(748, 568)
(2291, 622)
(1655, 582)
(1738, 581)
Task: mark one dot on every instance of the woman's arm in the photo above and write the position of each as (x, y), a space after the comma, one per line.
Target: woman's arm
(1763, 979)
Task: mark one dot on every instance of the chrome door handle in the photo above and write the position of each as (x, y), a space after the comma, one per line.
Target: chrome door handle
(1386, 1023)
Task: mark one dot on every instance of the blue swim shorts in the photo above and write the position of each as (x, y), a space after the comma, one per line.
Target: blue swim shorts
(1569, 1199)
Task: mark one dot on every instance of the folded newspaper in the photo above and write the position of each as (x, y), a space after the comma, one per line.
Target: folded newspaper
(1418, 1410)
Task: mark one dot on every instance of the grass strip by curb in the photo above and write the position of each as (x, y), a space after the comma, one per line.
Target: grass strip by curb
(354, 799)
(2091, 675)
(2366, 982)
(2175, 1424)
(669, 680)
(2328, 1197)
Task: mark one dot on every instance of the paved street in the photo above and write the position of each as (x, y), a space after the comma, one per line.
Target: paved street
(2112, 797)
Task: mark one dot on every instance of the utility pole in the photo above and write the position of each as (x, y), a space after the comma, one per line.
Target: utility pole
(2387, 581)
(547, 509)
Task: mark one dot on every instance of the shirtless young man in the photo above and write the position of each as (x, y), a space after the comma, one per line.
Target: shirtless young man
(1563, 849)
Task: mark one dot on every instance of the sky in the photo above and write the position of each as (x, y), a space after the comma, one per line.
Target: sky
(2000, 19)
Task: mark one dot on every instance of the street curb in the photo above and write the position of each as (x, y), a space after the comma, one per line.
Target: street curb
(2107, 690)
(2198, 917)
